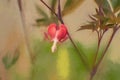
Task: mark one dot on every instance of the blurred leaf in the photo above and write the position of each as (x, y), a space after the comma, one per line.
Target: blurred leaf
(113, 71)
(108, 71)
(44, 14)
(53, 4)
(50, 64)
(44, 64)
(46, 20)
(42, 22)
(9, 61)
(87, 27)
(63, 63)
(115, 5)
(70, 6)
(78, 70)
(104, 5)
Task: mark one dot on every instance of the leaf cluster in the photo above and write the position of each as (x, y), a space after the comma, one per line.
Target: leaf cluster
(68, 7)
(106, 16)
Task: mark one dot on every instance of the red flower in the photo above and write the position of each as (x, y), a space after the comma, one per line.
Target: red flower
(57, 34)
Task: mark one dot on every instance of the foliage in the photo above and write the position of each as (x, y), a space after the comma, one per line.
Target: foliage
(65, 63)
(105, 17)
(9, 61)
(45, 20)
(45, 58)
(70, 6)
(75, 68)
(110, 71)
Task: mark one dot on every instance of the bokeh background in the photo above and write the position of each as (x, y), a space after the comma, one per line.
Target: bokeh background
(63, 65)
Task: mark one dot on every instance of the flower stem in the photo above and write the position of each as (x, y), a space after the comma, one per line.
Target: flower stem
(59, 12)
(50, 9)
(79, 53)
(98, 46)
(103, 54)
(59, 16)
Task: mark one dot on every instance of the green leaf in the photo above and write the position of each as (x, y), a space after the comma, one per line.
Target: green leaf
(45, 22)
(115, 5)
(42, 12)
(40, 20)
(70, 6)
(104, 5)
(9, 61)
(53, 4)
(108, 5)
(87, 27)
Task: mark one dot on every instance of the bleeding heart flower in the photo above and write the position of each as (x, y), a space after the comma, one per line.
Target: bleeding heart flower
(57, 34)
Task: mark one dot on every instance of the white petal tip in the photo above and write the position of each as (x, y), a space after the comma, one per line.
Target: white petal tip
(54, 46)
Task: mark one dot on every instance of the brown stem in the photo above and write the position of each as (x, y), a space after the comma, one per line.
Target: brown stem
(24, 28)
(98, 46)
(81, 57)
(50, 8)
(59, 12)
(101, 58)
(96, 54)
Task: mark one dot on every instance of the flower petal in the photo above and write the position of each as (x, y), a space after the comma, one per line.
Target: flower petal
(52, 30)
(61, 32)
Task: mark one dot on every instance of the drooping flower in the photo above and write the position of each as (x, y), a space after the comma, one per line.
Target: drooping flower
(57, 33)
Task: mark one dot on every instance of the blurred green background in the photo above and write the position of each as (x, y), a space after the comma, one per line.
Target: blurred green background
(16, 62)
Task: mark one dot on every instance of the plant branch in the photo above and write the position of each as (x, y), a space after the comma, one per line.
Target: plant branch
(24, 29)
(59, 12)
(50, 8)
(96, 54)
(103, 54)
(98, 46)
(79, 53)
(73, 43)
(59, 16)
